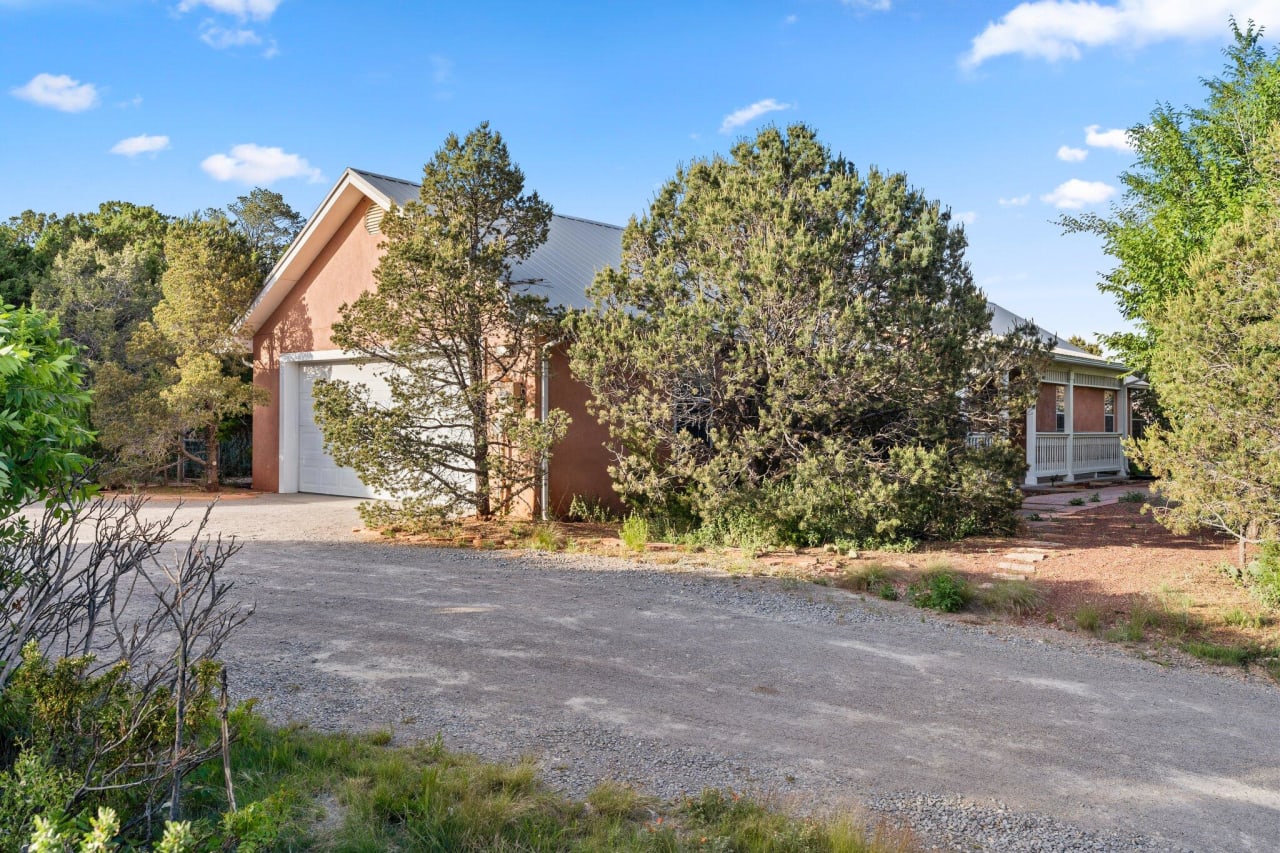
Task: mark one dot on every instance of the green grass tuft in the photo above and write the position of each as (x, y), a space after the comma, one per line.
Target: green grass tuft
(868, 577)
(634, 533)
(1087, 618)
(1012, 597)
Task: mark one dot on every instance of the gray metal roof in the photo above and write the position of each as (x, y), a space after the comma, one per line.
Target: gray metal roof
(561, 268)
(576, 249)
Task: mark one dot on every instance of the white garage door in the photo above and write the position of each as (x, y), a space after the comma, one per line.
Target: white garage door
(317, 472)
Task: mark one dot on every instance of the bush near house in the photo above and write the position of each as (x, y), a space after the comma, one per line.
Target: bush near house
(799, 348)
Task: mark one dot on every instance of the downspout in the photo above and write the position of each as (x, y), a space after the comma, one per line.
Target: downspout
(545, 400)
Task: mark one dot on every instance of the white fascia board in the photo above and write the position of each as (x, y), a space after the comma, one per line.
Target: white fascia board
(304, 249)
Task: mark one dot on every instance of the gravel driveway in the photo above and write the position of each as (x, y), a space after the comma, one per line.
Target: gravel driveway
(982, 738)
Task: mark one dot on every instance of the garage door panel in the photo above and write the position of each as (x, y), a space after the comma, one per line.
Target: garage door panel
(318, 473)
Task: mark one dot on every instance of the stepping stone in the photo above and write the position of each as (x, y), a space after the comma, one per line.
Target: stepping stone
(1026, 557)
(1008, 576)
(1021, 568)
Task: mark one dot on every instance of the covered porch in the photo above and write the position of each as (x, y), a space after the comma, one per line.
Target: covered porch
(1077, 427)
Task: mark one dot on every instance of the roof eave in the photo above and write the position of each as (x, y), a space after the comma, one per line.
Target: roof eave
(322, 225)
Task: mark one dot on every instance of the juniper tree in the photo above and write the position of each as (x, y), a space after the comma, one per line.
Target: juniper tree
(461, 336)
(794, 345)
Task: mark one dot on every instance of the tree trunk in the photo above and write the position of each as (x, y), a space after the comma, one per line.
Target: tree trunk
(212, 476)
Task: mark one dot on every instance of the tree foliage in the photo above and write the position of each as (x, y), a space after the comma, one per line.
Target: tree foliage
(461, 336)
(43, 416)
(268, 223)
(1216, 368)
(1194, 170)
(792, 340)
(184, 370)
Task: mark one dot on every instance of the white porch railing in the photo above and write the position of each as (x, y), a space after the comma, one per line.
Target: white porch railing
(1059, 454)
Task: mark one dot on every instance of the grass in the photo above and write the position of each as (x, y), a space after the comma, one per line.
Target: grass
(866, 578)
(1011, 597)
(1237, 617)
(1221, 654)
(1087, 618)
(545, 538)
(300, 789)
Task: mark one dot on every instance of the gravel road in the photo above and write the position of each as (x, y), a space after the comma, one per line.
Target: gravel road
(981, 738)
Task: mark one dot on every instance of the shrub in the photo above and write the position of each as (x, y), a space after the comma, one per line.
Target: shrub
(1132, 498)
(1264, 574)
(941, 589)
(634, 532)
(31, 787)
(1095, 498)
(888, 592)
(1076, 502)
(1012, 597)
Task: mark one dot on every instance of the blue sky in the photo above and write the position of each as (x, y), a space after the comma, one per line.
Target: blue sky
(1004, 111)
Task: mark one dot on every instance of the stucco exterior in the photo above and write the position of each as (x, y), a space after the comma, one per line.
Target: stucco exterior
(335, 273)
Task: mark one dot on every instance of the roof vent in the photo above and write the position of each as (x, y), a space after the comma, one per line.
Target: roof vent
(373, 217)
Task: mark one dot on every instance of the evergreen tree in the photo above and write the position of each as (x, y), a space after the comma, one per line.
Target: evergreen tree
(462, 339)
(794, 344)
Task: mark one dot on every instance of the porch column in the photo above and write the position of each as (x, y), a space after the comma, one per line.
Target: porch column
(1122, 418)
(1069, 423)
(1032, 479)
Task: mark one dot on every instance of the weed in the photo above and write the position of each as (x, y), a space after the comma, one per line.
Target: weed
(1087, 618)
(888, 592)
(1140, 619)
(590, 508)
(634, 532)
(1012, 597)
(1034, 516)
(1215, 653)
(380, 737)
(940, 588)
(870, 576)
(1239, 618)
(1132, 498)
(1095, 498)
(545, 538)
(1076, 502)
(618, 801)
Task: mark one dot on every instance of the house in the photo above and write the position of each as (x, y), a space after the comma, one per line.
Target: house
(1074, 430)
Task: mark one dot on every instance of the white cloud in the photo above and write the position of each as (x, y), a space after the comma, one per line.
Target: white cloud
(242, 9)
(1075, 194)
(1059, 29)
(59, 92)
(873, 5)
(1071, 155)
(222, 38)
(1117, 138)
(255, 164)
(144, 144)
(738, 118)
(968, 217)
(272, 51)
(1015, 201)
(790, 19)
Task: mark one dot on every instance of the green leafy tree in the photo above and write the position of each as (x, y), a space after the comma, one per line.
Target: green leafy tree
(461, 336)
(1194, 169)
(99, 296)
(1216, 366)
(43, 423)
(801, 346)
(188, 374)
(268, 223)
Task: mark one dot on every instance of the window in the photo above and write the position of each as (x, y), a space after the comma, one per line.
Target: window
(1108, 411)
(1060, 421)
